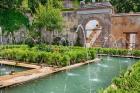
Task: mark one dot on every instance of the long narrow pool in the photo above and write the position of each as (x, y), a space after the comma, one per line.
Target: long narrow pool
(85, 79)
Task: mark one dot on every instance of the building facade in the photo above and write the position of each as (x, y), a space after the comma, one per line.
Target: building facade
(97, 25)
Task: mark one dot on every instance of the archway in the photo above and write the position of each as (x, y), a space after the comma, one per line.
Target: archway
(92, 30)
(92, 25)
(103, 23)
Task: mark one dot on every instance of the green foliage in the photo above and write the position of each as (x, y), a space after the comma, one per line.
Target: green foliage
(128, 83)
(58, 4)
(112, 51)
(10, 4)
(126, 6)
(11, 20)
(33, 4)
(123, 6)
(55, 55)
(136, 52)
(49, 17)
(25, 5)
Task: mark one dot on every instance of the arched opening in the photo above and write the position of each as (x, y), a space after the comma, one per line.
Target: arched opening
(91, 25)
(93, 30)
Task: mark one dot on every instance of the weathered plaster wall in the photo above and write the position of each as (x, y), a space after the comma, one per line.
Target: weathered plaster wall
(18, 37)
(104, 20)
(125, 23)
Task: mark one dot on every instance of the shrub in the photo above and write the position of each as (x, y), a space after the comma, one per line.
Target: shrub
(65, 60)
(92, 53)
(128, 83)
(136, 52)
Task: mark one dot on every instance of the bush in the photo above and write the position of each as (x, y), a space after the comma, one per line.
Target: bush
(136, 52)
(111, 51)
(57, 55)
(51, 55)
(128, 83)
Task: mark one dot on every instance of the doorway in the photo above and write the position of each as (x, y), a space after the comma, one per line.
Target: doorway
(131, 40)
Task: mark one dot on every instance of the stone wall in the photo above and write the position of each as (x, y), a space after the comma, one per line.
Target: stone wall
(123, 24)
(17, 37)
(114, 27)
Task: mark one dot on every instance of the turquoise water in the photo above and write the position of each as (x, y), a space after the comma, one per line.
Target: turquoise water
(6, 69)
(85, 79)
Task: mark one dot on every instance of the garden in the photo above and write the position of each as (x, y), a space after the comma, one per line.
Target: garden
(61, 56)
(34, 33)
(58, 55)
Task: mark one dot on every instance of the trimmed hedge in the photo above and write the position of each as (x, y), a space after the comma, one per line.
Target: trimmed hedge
(111, 51)
(127, 83)
(55, 55)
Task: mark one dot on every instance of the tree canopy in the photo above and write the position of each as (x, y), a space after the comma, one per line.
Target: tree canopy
(126, 6)
(11, 20)
(49, 17)
(11, 17)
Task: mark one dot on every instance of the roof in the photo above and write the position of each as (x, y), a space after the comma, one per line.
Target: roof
(98, 5)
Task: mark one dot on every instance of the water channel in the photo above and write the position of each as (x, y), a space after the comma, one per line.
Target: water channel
(77, 80)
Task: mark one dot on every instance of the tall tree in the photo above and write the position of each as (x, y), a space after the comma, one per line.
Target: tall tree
(49, 17)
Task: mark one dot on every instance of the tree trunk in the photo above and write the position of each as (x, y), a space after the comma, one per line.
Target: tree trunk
(51, 37)
(13, 38)
(1, 38)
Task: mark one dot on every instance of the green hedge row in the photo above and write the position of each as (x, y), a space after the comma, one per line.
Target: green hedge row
(127, 83)
(62, 49)
(111, 51)
(51, 58)
(57, 55)
(12, 46)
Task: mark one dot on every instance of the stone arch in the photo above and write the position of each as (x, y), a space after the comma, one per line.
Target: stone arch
(104, 21)
(86, 20)
(90, 36)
